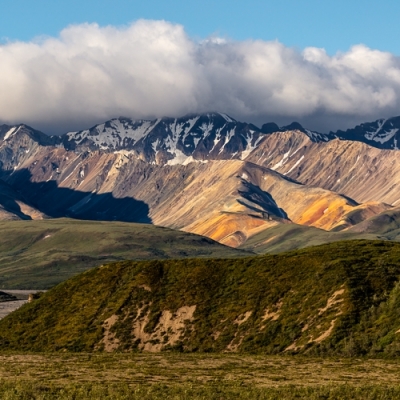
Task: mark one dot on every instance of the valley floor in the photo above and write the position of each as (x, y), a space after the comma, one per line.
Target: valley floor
(9, 306)
(6, 307)
(184, 376)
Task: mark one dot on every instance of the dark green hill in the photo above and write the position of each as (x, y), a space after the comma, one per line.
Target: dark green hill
(41, 254)
(337, 299)
(386, 224)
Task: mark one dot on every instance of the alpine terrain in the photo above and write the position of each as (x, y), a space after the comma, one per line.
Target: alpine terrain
(259, 190)
(207, 174)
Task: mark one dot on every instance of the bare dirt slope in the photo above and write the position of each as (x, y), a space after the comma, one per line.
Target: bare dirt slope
(355, 169)
(227, 200)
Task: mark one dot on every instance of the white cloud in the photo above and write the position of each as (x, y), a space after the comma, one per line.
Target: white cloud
(152, 68)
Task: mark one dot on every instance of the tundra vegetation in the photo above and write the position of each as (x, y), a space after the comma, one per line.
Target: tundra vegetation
(320, 322)
(40, 254)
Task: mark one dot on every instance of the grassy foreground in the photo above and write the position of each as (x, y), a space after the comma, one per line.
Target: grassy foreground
(190, 376)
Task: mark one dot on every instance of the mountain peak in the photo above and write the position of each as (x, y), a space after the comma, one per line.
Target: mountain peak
(270, 127)
(10, 132)
(294, 126)
(211, 115)
(212, 135)
(382, 133)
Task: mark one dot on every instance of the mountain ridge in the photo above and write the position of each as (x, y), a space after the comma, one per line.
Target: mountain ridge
(207, 174)
(213, 131)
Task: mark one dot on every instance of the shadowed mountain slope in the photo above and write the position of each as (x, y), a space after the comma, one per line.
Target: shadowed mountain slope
(268, 304)
(13, 207)
(58, 201)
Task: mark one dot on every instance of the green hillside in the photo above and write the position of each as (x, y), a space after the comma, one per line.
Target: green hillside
(386, 224)
(287, 237)
(337, 299)
(41, 254)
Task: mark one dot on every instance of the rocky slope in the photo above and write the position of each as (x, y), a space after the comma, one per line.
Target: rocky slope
(206, 174)
(383, 133)
(170, 141)
(355, 169)
(227, 200)
(213, 135)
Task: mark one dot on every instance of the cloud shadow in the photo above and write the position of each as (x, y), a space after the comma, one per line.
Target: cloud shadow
(57, 202)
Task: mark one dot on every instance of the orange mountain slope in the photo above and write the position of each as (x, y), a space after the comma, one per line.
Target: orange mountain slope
(355, 169)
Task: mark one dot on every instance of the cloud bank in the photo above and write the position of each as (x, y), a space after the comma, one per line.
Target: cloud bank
(153, 68)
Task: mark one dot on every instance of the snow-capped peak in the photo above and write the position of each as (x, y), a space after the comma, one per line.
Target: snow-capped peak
(170, 140)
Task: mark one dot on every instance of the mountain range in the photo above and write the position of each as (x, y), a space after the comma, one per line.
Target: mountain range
(207, 174)
(256, 190)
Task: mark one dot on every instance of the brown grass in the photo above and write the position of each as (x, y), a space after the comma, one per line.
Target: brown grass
(172, 369)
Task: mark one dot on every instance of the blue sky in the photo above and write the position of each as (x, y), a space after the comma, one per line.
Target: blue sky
(66, 65)
(335, 25)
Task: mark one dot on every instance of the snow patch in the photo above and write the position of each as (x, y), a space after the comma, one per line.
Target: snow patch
(380, 135)
(154, 145)
(179, 158)
(387, 137)
(249, 147)
(295, 165)
(317, 136)
(228, 138)
(196, 141)
(11, 132)
(282, 162)
(358, 159)
(112, 134)
(206, 128)
(191, 123)
(226, 117)
(370, 135)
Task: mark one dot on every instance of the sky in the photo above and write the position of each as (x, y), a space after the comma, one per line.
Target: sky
(66, 65)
